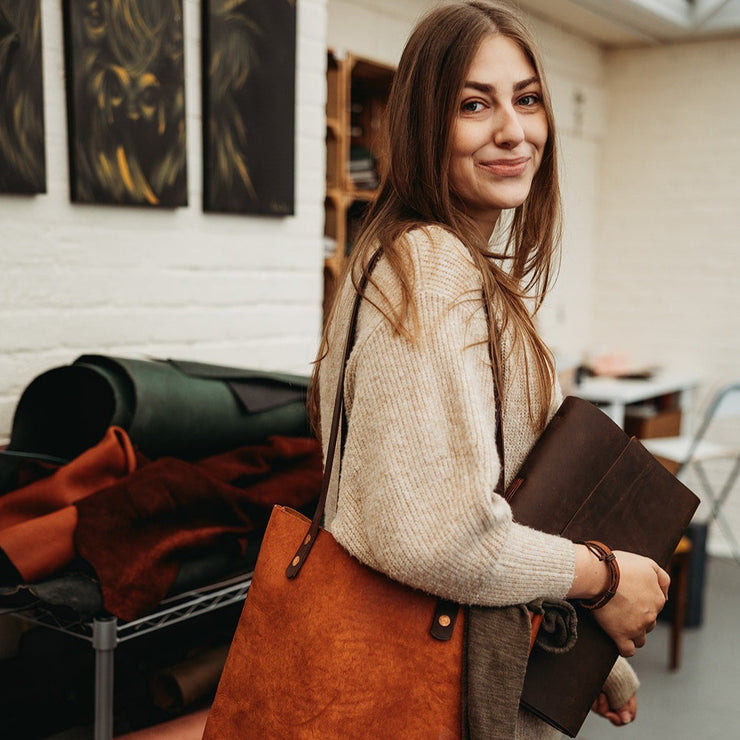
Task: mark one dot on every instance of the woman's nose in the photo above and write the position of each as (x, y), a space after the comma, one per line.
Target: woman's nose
(508, 128)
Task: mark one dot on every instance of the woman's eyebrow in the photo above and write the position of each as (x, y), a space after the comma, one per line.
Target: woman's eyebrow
(534, 80)
(484, 87)
(479, 86)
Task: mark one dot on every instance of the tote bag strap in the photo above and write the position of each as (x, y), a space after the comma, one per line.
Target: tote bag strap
(443, 607)
(300, 557)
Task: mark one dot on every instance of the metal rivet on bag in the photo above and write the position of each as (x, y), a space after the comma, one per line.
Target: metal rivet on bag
(296, 560)
(307, 540)
(444, 620)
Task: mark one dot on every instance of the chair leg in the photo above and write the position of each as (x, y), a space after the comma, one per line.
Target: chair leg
(680, 565)
(716, 502)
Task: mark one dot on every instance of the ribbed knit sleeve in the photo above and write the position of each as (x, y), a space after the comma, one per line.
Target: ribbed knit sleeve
(420, 463)
(621, 684)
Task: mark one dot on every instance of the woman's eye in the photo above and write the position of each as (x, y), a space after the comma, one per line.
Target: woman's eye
(472, 106)
(529, 100)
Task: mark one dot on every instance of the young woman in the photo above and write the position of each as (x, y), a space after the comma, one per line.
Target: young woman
(472, 164)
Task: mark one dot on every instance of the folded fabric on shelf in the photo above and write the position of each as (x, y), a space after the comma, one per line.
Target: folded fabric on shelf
(138, 522)
(135, 533)
(38, 520)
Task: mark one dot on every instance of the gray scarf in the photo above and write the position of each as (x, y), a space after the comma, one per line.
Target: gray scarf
(497, 641)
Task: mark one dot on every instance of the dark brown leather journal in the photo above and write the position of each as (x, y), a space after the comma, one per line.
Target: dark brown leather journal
(585, 479)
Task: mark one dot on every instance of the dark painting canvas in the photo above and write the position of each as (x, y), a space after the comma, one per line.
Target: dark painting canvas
(22, 154)
(126, 101)
(249, 105)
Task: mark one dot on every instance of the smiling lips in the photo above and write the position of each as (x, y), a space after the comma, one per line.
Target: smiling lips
(506, 167)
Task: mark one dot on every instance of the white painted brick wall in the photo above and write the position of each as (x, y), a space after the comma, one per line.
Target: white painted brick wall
(239, 290)
(667, 253)
(667, 256)
(375, 29)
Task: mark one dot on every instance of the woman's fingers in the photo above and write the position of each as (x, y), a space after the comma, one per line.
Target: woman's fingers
(664, 581)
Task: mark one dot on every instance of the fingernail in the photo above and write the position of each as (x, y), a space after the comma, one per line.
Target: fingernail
(626, 718)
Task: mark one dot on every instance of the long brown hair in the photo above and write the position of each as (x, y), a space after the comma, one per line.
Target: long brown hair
(415, 190)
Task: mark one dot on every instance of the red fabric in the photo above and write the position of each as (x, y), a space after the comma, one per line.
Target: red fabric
(37, 521)
(135, 533)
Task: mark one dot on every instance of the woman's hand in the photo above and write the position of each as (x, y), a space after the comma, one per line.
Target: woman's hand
(622, 716)
(642, 593)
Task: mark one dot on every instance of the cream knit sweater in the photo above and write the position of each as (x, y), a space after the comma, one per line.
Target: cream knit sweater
(420, 461)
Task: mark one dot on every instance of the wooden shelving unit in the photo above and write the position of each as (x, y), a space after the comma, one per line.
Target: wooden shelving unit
(357, 91)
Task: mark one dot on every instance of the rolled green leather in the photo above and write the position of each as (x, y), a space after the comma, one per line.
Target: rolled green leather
(168, 407)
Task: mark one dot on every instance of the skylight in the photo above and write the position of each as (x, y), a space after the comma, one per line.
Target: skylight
(678, 15)
(688, 13)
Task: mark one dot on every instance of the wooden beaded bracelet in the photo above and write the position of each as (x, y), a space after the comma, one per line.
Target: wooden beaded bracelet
(606, 556)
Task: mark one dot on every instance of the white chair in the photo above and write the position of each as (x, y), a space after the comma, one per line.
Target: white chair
(695, 451)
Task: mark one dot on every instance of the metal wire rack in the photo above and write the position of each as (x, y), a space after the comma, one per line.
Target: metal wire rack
(106, 632)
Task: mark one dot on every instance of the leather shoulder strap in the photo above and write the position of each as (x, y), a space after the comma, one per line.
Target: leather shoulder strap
(305, 548)
(300, 557)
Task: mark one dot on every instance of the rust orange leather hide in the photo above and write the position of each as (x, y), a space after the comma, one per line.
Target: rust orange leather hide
(38, 521)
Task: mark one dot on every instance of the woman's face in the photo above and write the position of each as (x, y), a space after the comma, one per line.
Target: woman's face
(499, 134)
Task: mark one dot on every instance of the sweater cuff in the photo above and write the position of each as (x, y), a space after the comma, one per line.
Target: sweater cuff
(620, 684)
(532, 564)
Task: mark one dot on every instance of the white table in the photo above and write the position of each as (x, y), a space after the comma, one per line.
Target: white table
(614, 394)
